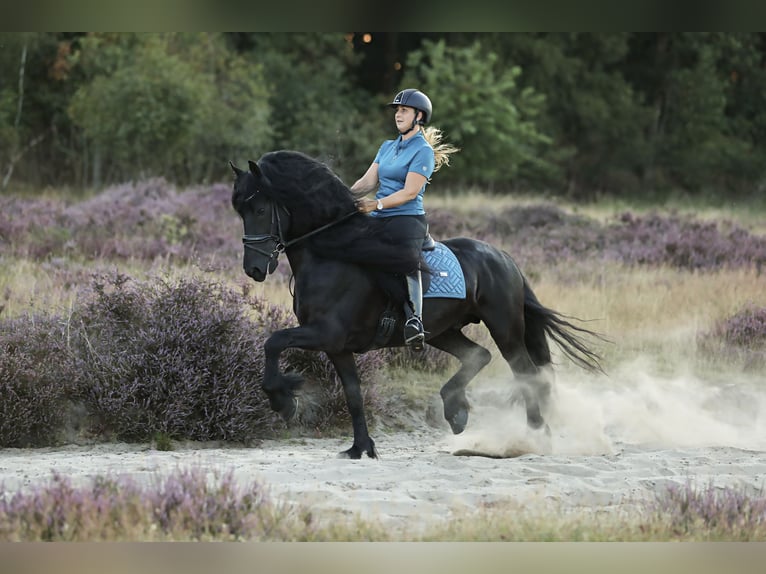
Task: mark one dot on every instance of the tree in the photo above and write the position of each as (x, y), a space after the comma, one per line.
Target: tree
(482, 110)
(170, 105)
(315, 106)
(589, 113)
(598, 120)
(711, 122)
(17, 135)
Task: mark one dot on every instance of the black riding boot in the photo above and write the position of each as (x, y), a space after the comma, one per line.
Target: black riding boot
(414, 335)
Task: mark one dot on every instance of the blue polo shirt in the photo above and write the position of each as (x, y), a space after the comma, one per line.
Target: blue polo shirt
(395, 159)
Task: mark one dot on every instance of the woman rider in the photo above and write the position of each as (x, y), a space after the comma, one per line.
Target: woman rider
(400, 171)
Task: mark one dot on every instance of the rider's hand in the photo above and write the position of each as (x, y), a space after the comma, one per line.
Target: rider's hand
(366, 205)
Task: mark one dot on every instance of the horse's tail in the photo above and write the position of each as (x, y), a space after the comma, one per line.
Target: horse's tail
(540, 320)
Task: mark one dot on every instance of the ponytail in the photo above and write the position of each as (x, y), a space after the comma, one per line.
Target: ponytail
(442, 151)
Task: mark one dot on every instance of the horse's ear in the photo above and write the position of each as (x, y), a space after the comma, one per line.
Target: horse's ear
(235, 169)
(254, 168)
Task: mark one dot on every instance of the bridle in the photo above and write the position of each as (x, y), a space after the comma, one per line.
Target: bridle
(278, 244)
(276, 235)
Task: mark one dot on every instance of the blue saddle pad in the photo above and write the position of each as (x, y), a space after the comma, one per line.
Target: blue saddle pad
(447, 280)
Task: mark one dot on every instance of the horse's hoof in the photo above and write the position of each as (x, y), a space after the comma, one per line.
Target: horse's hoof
(372, 452)
(459, 421)
(541, 438)
(355, 453)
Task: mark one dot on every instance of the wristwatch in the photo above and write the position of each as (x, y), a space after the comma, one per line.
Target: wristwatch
(379, 206)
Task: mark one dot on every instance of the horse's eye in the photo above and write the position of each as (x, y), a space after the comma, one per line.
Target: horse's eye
(260, 211)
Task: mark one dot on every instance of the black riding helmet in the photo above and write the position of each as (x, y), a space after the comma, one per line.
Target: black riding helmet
(413, 98)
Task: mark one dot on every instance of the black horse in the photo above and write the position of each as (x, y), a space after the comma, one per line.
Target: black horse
(346, 275)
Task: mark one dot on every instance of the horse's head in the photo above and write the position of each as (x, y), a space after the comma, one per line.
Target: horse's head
(264, 221)
(286, 198)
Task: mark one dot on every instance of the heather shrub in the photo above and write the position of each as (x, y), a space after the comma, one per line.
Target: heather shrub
(179, 359)
(538, 216)
(129, 221)
(683, 243)
(741, 337)
(550, 237)
(185, 360)
(144, 220)
(746, 328)
(444, 224)
(194, 505)
(31, 226)
(149, 220)
(37, 375)
(544, 234)
(185, 505)
(712, 513)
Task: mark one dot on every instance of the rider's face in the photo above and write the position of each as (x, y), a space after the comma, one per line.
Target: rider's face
(404, 116)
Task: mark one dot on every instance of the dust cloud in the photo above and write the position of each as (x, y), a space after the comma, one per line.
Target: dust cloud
(631, 407)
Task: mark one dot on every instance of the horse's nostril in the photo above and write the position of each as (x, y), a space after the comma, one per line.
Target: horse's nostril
(255, 273)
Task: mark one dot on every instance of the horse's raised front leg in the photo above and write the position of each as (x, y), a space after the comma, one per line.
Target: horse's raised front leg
(345, 365)
(473, 358)
(280, 387)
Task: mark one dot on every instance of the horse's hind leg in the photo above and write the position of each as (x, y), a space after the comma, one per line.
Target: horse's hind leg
(534, 388)
(473, 358)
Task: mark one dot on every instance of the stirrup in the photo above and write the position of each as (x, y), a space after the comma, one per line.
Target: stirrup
(414, 335)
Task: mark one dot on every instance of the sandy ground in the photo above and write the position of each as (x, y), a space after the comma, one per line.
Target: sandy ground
(613, 445)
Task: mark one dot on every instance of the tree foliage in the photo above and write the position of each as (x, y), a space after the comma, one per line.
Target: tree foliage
(316, 107)
(585, 113)
(482, 110)
(164, 104)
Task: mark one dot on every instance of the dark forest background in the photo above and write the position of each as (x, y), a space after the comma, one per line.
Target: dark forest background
(579, 114)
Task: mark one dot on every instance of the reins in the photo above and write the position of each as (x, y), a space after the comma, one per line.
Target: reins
(318, 229)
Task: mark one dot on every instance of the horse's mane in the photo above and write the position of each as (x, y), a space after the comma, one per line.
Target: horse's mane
(314, 195)
(309, 189)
